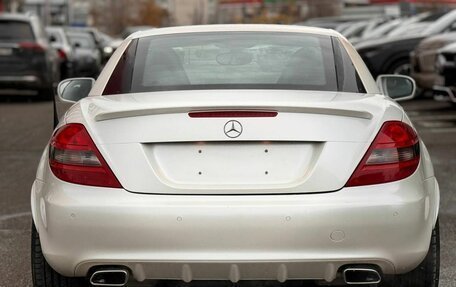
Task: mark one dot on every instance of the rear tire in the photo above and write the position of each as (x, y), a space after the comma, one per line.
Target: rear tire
(400, 67)
(427, 273)
(42, 273)
(56, 119)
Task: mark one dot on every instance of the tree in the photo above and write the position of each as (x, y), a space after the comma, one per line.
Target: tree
(152, 15)
(323, 8)
(113, 16)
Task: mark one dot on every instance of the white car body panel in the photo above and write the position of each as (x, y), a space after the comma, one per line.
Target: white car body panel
(196, 206)
(132, 139)
(174, 231)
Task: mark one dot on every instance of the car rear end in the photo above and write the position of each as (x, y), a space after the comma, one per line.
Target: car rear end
(203, 206)
(423, 60)
(235, 184)
(24, 63)
(445, 87)
(59, 40)
(87, 57)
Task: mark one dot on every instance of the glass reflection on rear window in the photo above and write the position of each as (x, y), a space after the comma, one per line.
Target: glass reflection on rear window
(228, 60)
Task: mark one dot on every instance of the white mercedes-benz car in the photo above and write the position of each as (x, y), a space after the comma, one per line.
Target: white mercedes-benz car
(235, 153)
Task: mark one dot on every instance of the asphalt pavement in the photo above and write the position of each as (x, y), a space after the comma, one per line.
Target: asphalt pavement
(25, 128)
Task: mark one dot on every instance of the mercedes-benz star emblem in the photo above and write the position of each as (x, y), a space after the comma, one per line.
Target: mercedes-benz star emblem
(233, 129)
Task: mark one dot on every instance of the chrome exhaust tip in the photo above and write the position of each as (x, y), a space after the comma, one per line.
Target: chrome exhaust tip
(109, 277)
(361, 276)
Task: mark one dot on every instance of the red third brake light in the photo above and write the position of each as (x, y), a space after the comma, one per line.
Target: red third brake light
(74, 158)
(393, 155)
(233, 114)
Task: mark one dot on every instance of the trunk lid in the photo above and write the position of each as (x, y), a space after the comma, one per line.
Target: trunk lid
(313, 144)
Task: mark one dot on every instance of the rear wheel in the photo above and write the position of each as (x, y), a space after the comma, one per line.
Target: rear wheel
(427, 273)
(400, 67)
(42, 273)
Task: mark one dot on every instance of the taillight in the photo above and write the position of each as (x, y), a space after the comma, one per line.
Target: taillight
(74, 158)
(393, 155)
(62, 54)
(31, 46)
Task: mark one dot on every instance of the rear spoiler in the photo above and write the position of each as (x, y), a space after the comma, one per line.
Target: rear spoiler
(103, 115)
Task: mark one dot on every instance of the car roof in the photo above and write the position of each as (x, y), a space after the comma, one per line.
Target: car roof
(236, 28)
(450, 48)
(77, 28)
(55, 29)
(78, 34)
(342, 18)
(16, 17)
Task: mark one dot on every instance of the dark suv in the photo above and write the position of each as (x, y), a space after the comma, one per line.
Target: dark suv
(27, 60)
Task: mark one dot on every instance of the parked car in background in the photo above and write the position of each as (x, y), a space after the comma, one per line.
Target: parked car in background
(354, 30)
(402, 26)
(87, 56)
(423, 59)
(341, 28)
(99, 38)
(356, 33)
(383, 29)
(445, 86)
(391, 55)
(28, 63)
(408, 30)
(109, 46)
(59, 40)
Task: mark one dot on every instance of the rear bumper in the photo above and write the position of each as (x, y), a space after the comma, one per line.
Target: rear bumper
(23, 82)
(268, 237)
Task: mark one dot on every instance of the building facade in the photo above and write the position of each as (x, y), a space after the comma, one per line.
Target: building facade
(275, 11)
(51, 12)
(190, 12)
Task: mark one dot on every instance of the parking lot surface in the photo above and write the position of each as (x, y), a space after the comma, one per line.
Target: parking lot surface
(25, 127)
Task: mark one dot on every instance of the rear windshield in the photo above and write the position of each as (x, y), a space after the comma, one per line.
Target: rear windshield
(55, 35)
(233, 60)
(15, 31)
(81, 40)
